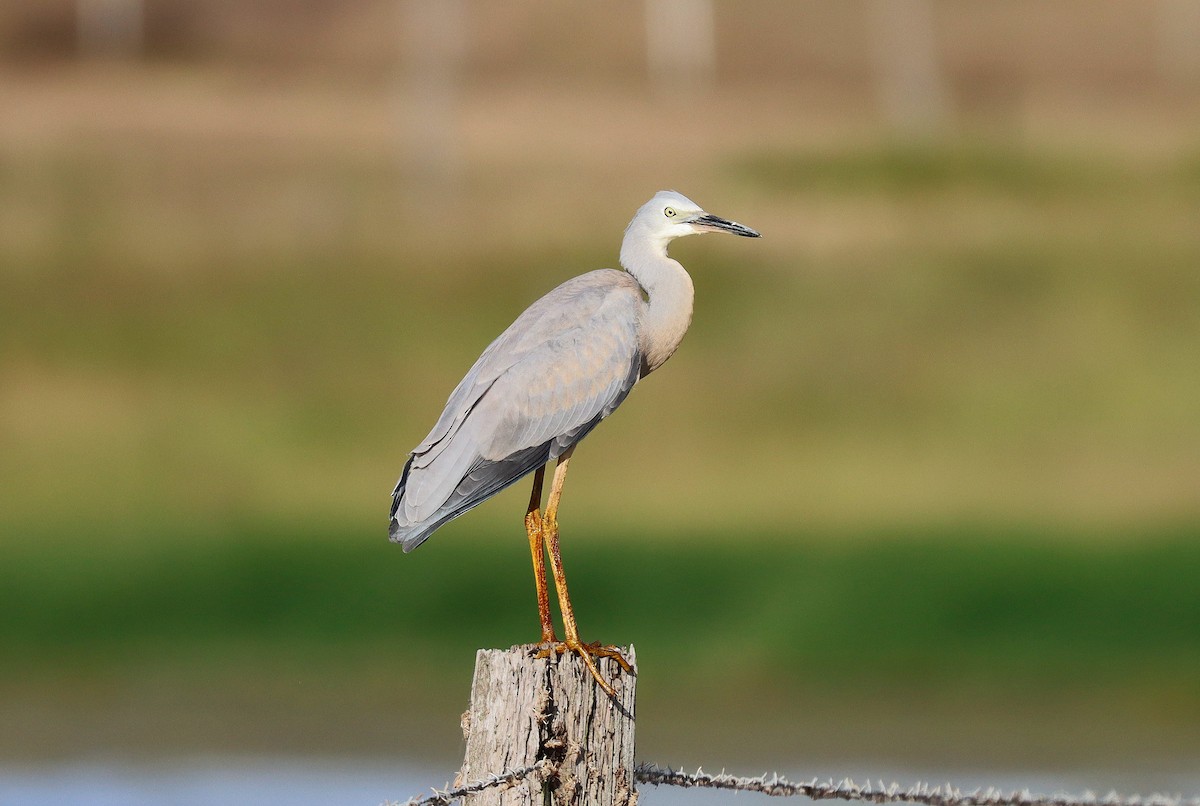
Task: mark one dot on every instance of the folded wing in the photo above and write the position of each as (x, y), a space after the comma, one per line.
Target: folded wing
(563, 366)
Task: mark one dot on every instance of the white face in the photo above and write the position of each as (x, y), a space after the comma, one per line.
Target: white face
(670, 213)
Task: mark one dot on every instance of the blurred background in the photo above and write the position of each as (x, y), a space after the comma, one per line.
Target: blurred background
(921, 489)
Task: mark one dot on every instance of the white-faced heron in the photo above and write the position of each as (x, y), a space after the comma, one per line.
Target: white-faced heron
(564, 365)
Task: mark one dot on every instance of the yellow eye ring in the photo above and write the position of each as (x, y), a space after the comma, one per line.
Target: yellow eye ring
(669, 212)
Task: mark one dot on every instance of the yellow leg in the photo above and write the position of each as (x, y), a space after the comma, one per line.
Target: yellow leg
(533, 525)
(572, 642)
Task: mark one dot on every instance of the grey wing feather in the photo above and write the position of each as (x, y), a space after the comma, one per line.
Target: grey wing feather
(552, 376)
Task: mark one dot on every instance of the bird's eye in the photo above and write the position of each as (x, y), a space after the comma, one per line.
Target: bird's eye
(669, 212)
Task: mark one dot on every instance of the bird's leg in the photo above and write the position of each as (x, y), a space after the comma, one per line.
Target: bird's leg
(533, 525)
(572, 642)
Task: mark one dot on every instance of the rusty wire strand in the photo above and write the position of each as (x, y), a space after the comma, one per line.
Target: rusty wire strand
(443, 797)
(944, 795)
(774, 785)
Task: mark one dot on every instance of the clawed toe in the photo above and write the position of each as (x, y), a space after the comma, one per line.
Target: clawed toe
(587, 652)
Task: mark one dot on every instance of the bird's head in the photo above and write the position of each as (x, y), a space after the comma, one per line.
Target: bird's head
(671, 215)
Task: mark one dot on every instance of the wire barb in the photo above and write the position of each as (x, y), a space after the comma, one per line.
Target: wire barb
(775, 785)
(443, 797)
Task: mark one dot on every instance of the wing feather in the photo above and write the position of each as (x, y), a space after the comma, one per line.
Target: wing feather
(564, 365)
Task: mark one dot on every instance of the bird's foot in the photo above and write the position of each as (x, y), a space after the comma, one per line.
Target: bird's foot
(594, 649)
(587, 652)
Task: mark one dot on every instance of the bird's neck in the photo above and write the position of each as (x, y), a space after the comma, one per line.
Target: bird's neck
(667, 312)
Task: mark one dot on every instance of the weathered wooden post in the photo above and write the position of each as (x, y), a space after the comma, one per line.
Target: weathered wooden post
(434, 49)
(525, 710)
(911, 86)
(681, 44)
(110, 27)
(1177, 53)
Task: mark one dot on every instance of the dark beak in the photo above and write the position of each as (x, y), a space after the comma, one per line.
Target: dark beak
(711, 222)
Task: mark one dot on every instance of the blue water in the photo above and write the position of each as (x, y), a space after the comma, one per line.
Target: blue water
(209, 782)
(327, 782)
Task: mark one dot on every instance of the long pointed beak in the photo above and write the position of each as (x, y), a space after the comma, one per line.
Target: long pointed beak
(715, 224)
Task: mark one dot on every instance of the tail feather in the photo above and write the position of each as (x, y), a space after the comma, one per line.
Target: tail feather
(398, 492)
(480, 483)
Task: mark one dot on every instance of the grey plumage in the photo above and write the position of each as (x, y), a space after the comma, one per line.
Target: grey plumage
(564, 365)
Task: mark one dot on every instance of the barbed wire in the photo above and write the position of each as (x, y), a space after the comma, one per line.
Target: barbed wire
(775, 785)
(443, 797)
(846, 789)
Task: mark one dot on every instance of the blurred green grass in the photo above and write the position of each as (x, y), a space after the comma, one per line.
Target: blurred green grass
(1019, 645)
(903, 168)
(1000, 609)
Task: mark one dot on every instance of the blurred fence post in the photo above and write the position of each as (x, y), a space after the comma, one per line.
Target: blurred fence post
(681, 44)
(527, 711)
(434, 43)
(110, 27)
(908, 76)
(1178, 45)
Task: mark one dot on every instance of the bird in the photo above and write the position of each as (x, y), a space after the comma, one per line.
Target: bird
(564, 365)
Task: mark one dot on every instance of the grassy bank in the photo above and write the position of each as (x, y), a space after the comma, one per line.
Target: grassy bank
(277, 639)
(982, 606)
